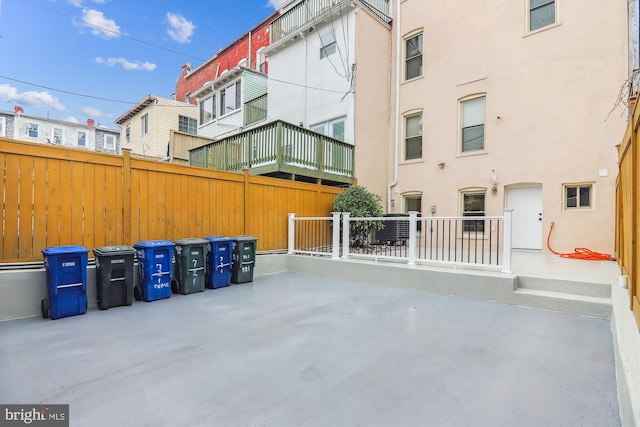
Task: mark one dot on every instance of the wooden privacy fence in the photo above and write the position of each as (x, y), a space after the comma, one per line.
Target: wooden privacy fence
(628, 210)
(59, 196)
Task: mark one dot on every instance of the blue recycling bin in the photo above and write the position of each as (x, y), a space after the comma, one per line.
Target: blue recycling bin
(66, 272)
(219, 261)
(155, 267)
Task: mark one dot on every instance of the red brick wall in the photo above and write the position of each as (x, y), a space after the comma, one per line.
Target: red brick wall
(227, 58)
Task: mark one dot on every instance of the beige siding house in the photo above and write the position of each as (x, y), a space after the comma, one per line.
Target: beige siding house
(509, 108)
(146, 128)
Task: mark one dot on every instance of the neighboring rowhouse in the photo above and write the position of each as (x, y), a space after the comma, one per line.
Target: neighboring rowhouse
(22, 127)
(145, 129)
(247, 50)
(510, 107)
(329, 71)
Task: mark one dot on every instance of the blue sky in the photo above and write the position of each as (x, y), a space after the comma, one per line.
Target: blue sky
(113, 49)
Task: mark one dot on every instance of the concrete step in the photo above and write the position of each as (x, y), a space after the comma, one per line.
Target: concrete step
(586, 305)
(588, 289)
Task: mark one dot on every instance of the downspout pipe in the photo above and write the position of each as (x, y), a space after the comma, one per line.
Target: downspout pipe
(396, 137)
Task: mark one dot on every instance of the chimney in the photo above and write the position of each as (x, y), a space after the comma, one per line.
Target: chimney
(18, 109)
(90, 122)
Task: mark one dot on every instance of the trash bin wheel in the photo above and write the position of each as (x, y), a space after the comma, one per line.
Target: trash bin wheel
(137, 293)
(44, 305)
(174, 286)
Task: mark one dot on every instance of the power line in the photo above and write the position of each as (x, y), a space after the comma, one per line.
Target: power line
(67, 91)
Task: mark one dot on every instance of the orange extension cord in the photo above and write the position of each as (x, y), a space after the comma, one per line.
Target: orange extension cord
(581, 253)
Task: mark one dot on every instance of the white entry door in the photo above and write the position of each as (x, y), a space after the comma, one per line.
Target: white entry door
(526, 203)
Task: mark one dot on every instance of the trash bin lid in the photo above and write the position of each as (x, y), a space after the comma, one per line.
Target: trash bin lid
(244, 239)
(148, 244)
(216, 239)
(114, 250)
(190, 241)
(63, 250)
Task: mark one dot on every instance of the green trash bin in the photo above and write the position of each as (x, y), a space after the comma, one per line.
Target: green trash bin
(191, 259)
(244, 258)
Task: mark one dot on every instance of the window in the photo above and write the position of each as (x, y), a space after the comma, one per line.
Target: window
(327, 44)
(473, 205)
(472, 112)
(261, 59)
(541, 13)
(144, 124)
(187, 124)
(207, 110)
(3, 127)
(413, 55)
(230, 99)
(82, 139)
(332, 128)
(128, 132)
(413, 203)
(57, 136)
(110, 142)
(413, 137)
(577, 196)
(32, 130)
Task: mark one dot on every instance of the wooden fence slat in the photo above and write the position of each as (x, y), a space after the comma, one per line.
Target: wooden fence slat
(66, 201)
(100, 206)
(25, 200)
(90, 206)
(12, 211)
(39, 206)
(77, 184)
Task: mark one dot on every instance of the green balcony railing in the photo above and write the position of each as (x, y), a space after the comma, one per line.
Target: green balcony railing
(255, 110)
(309, 10)
(279, 146)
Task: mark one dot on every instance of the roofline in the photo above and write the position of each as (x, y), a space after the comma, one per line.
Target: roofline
(144, 103)
(64, 122)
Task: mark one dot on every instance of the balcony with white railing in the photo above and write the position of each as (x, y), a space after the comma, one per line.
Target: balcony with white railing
(309, 11)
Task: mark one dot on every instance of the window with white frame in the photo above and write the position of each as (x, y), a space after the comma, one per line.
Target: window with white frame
(472, 112)
(413, 137)
(207, 109)
(473, 205)
(332, 128)
(261, 60)
(144, 124)
(230, 98)
(413, 203)
(3, 127)
(58, 136)
(82, 139)
(413, 57)
(578, 196)
(127, 132)
(32, 130)
(327, 44)
(110, 142)
(187, 124)
(542, 13)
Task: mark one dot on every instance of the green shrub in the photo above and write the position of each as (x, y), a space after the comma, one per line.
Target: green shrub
(361, 204)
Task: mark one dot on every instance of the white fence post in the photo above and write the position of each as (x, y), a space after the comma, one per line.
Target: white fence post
(291, 234)
(335, 244)
(345, 234)
(506, 242)
(412, 237)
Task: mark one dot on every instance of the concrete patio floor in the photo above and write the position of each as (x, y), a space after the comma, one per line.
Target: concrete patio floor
(292, 349)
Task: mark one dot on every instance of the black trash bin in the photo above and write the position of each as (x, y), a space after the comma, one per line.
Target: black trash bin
(191, 258)
(114, 276)
(244, 258)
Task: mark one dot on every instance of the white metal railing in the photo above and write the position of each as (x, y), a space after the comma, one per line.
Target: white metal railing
(483, 241)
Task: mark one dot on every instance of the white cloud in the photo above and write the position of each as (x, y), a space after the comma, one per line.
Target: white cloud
(34, 99)
(71, 119)
(276, 3)
(99, 25)
(126, 64)
(180, 29)
(76, 3)
(91, 111)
